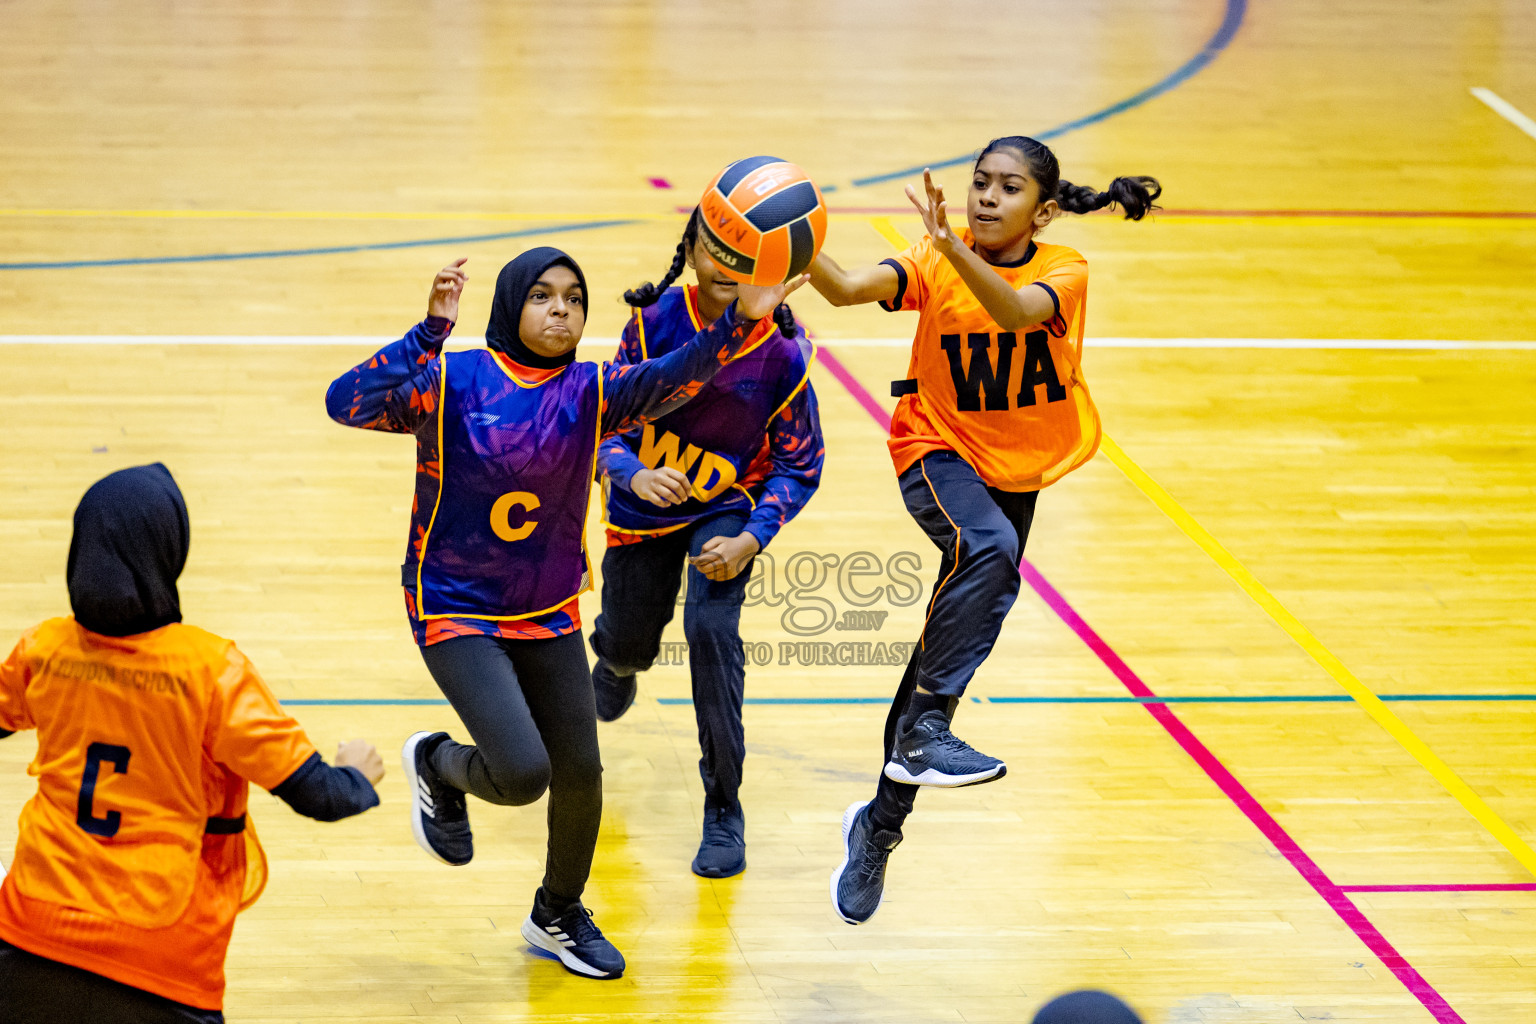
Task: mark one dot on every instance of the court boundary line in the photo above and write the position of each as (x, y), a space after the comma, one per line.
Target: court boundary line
(1232, 20)
(1505, 109)
(1325, 658)
(1215, 699)
(1446, 887)
(1351, 915)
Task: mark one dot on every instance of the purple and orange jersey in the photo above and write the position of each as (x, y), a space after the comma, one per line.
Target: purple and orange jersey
(504, 467)
(750, 440)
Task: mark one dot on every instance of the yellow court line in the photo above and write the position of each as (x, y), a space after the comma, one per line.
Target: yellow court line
(1357, 690)
(888, 232)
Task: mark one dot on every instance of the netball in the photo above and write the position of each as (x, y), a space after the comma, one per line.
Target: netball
(763, 220)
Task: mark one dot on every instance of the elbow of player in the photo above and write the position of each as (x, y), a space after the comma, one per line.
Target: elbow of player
(336, 403)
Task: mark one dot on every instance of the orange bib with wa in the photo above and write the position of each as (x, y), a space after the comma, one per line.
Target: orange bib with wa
(1013, 404)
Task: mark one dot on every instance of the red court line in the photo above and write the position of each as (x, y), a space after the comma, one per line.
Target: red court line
(1332, 894)
(1475, 887)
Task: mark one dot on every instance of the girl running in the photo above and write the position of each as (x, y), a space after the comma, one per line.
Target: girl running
(707, 486)
(994, 408)
(506, 442)
(136, 854)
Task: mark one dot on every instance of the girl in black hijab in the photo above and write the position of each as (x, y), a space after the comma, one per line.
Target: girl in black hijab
(149, 733)
(506, 442)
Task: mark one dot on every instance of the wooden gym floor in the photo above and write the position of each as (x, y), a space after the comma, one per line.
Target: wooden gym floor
(1267, 700)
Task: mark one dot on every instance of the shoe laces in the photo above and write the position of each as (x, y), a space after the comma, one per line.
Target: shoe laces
(578, 924)
(718, 828)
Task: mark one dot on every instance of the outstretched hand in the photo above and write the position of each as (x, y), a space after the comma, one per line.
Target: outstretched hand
(935, 214)
(755, 302)
(443, 300)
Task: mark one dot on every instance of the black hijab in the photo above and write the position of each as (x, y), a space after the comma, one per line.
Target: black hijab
(1086, 1007)
(512, 286)
(130, 544)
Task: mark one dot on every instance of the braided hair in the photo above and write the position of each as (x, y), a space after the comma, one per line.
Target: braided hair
(1134, 195)
(648, 293)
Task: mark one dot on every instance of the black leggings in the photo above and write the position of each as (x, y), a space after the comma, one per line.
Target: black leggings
(529, 708)
(36, 990)
(980, 532)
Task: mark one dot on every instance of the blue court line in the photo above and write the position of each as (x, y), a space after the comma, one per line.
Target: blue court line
(1236, 9)
(1321, 698)
(1233, 19)
(272, 254)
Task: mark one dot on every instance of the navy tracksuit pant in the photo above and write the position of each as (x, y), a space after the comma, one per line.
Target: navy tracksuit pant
(640, 585)
(980, 532)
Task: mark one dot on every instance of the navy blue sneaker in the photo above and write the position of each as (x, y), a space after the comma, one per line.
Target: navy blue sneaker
(573, 937)
(858, 884)
(723, 850)
(615, 693)
(439, 820)
(928, 754)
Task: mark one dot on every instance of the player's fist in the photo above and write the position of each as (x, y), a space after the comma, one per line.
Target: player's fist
(363, 756)
(447, 286)
(723, 558)
(661, 487)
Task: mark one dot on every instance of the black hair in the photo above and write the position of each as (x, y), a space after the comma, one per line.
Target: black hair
(648, 293)
(1135, 195)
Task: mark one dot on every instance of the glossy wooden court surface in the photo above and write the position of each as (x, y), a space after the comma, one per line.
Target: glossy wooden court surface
(1320, 557)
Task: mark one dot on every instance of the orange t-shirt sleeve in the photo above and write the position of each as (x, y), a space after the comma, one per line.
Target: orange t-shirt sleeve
(911, 277)
(14, 674)
(1067, 283)
(249, 732)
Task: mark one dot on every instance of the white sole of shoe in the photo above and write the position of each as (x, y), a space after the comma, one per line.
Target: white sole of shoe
(897, 772)
(540, 939)
(418, 807)
(837, 874)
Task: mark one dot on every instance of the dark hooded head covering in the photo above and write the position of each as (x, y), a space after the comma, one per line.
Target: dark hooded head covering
(512, 286)
(130, 544)
(1086, 1007)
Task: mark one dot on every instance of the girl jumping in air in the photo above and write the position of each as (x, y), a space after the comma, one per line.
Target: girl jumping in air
(994, 409)
(706, 486)
(506, 441)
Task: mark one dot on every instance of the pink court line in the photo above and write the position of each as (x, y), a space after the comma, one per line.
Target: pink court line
(1475, 887)
(1331, 893)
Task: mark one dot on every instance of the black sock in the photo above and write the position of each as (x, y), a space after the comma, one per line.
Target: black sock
(920, 702)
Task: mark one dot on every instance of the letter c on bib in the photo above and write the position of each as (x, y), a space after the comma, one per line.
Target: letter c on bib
(501, 515)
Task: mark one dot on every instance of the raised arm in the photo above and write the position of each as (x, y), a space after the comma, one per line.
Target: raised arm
(1012, 309)
(841, 287)
(635, 393)
(396, 388)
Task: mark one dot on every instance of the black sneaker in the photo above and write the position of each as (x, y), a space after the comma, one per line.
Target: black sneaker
(723, 851)
(615, 693)
(438, 818)
(572, 936)
(858, 884)
(928, 754)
